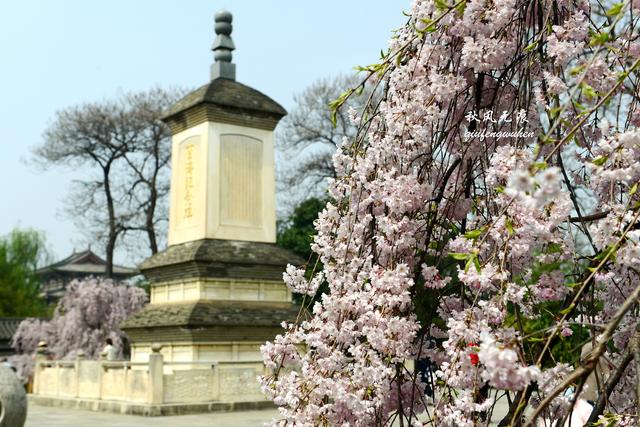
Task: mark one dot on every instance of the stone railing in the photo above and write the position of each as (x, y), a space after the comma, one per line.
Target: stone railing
(152, 383)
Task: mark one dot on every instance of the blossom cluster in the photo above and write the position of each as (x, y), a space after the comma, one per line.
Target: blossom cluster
(488, 236)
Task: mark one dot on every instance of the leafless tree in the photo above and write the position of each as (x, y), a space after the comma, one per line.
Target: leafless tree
(147, 190)
(126, 148)
(308, 137)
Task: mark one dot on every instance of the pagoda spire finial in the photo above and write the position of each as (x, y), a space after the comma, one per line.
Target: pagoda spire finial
(222, 47)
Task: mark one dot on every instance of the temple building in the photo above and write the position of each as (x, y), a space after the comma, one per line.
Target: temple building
(217, 292)
(79, 265)
(8, 327)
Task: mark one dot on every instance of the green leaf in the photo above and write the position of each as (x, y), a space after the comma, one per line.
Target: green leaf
(616, 9)
(476, 263)
(473, 234)
(336, 104)
(531, 47)
(372, 68)
(553, 248)
(582, 110)
(544, 139)
(431, 25)
(460, 256)
(608, 420)
(567, 310)
(622, 75)
(540, 166)
(398, 59)
(553, 112)
(427, 21)
(599, 161)
(461, 7)
(634, 189)
(607, 253)
(599, 39)
(577, 70)
(473, 260)
(588, 91)
(442, 5)
(509, 225)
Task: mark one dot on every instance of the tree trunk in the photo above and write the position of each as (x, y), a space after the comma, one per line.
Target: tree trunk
(151, 230)
(635, 348)
(113, 232)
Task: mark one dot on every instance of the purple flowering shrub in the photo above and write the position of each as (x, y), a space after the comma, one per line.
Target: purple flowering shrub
(90, 311)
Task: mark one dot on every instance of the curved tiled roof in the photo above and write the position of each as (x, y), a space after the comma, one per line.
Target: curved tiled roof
(228, 93)
(8, 326)
(85, 262)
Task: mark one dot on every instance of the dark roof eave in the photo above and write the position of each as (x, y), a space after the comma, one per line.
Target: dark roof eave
(212, 313)
(229, 95)
(222, 251)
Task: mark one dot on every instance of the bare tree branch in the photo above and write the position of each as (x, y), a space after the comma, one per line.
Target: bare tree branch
(307, 139)
(127, 146)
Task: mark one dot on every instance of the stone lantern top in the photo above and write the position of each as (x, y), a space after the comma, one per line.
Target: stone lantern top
(222, 47)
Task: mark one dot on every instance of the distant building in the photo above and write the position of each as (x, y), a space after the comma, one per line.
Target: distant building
(8, 327)
(56, 277)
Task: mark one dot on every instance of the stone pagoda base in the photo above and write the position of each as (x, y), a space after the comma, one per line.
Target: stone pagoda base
(213, 300)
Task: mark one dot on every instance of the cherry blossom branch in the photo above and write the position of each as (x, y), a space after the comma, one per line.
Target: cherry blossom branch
(584, 118)
(598, 105)
(585, 283)
(611, 383)
(590, 361)
(572, 305)
(588, 218)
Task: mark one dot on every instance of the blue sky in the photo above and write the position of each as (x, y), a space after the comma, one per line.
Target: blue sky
(57, 54)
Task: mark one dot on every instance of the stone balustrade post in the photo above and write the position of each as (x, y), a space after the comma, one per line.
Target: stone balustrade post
(80, 356)
(156, 374)
(216, 381)
(41, 356)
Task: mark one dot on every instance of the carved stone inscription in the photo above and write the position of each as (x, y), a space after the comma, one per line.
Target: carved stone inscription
(188, 181)
(240, 181)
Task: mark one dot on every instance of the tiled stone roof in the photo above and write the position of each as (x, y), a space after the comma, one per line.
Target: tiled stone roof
(229, 94)
(212, 313)
(219, 258)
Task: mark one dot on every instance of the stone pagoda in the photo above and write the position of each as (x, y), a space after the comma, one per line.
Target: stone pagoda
(217, 292)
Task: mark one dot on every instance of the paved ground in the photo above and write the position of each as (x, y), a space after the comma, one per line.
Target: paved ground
(41, 416)
(44, 416)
